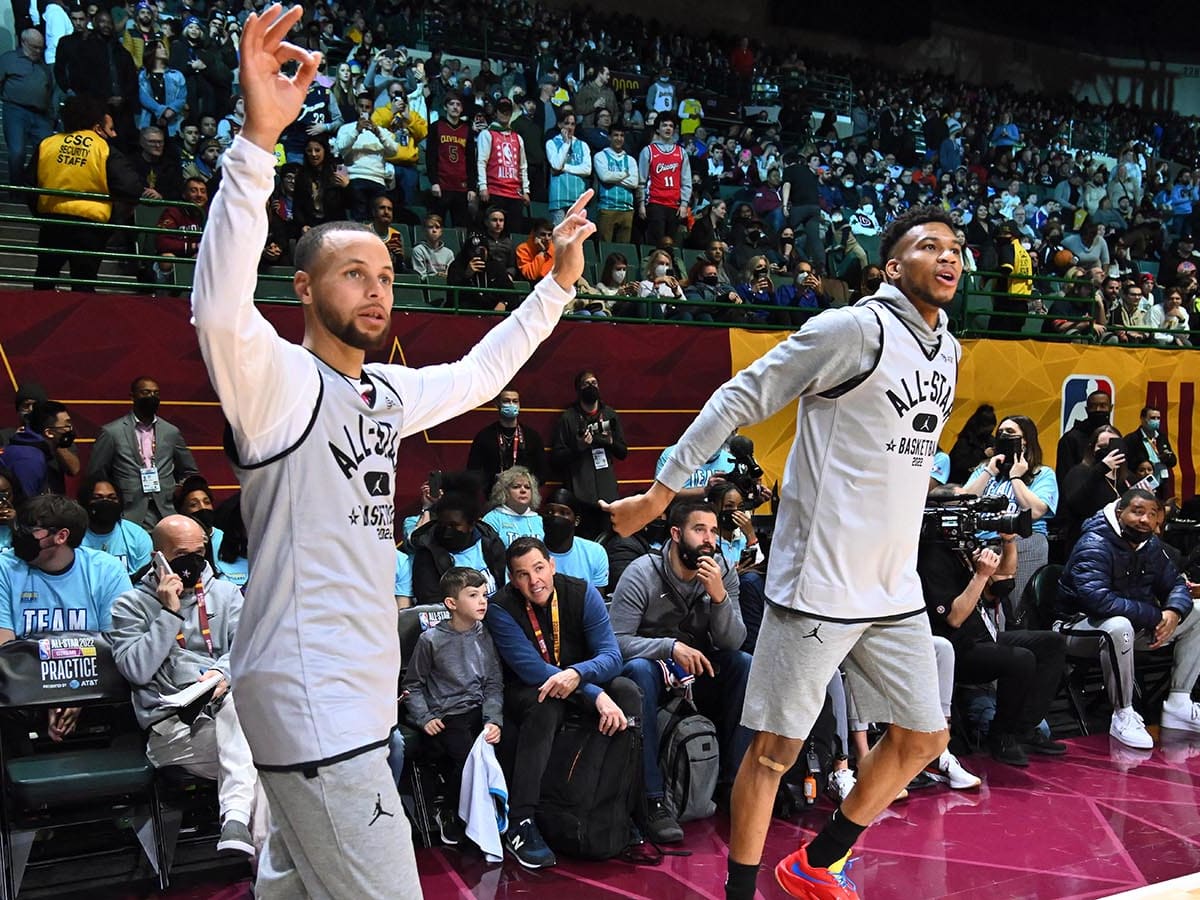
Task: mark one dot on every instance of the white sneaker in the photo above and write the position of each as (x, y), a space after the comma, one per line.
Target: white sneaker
(948, 770)
(841, 782)
(1128, 728)
(1182, 716)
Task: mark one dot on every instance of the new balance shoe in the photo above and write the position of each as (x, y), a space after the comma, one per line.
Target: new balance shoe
(661, 826)
(235, 840)
(1037, 742)
(1128, 728)
(450, 827)
(525, 843)
(1180, 713)
(841, 783)
(799, 879)
(946, 769)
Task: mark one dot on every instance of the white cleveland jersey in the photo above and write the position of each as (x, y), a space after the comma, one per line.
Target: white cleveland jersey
(850, 509)
(317, 656)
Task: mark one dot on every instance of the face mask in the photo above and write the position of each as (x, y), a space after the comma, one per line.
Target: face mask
(103, 515)
(725, 520)
(754, 234)
(618, 276)
(1004, 587)
(660, 270)
(664, 79)
(560, 532)
(189, 568)
(589, 394)
(689, 557)
(25, 546)
(509, 410)
(205, 518)
(1096, 419)
(544, 45)
(452, 539)
(1133, 535)
(656, 532)
(710, 280)
(1152, 425)
(67, 439)
(145, 407)
(848, 183)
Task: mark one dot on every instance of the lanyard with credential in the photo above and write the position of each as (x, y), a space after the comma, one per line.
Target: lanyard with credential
(537, 629)
(205, 631)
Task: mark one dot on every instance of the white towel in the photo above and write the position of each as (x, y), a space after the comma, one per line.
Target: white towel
(483, 802)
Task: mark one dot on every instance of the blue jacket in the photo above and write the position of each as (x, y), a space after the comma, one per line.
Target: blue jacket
(1106, 577)
(28, 458)
(176, 97)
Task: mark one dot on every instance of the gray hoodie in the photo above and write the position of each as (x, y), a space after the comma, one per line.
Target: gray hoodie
(145, 648)
(453, 672)
(652, 608)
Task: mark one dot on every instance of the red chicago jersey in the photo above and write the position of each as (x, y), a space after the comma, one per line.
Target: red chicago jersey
(666, 172)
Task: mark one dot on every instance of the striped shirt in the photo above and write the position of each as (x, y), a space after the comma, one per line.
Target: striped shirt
(569, 165)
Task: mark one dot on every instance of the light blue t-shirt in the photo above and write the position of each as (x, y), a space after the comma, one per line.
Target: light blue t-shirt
(404, 586)
(79, 599)
(732, 549)
(127, 542)
(941, 467)
(5, 538)
(721, 462)
(236, 572)
(472, 558)
(586, 560)
(1044, 487)
(510, 526)
(407, 526)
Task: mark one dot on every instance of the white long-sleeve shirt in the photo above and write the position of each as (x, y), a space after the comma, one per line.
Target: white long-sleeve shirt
(317, 656)
(364, 152)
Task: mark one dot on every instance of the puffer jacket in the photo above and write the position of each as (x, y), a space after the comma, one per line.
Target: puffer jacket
(1106, 577)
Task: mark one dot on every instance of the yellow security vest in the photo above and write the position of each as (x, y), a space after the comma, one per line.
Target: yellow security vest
(76, 161)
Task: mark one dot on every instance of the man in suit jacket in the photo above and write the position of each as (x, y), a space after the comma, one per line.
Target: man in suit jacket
(144, 456)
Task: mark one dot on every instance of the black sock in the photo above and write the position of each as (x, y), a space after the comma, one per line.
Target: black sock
(740, 882)
(834, 841)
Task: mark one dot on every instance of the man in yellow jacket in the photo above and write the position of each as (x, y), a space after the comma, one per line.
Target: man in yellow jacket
(79, 159)
(408, 128)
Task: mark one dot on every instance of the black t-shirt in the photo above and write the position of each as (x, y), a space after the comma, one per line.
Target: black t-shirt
(944, 577)
(804, 185)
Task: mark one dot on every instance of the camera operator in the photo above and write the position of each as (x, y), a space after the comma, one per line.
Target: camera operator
(963, 589)
(476, 267)
(739, 545)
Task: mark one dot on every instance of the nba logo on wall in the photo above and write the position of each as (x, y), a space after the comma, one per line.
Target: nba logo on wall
(1075, 390)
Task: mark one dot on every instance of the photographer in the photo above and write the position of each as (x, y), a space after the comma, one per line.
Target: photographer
(1015, 471)
(739, 544)
(476, 267)
(963, 589)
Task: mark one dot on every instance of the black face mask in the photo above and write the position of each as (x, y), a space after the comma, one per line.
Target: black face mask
(1002, 588)
(145, 407)
(67, 439)
(205, 517)
(589, 394)
(560, 533)
(1096, 419)
(189, 568)
(725, 520)
(454, 540)
(690, 557)
(656, 532)
(103, 515)
(1133, 535)
(25, 546)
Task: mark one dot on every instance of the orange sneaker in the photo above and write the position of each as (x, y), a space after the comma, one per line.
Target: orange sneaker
(806, 882)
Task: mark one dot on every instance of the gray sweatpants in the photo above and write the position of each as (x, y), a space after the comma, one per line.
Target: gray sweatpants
(339, 835)
(1116, 659)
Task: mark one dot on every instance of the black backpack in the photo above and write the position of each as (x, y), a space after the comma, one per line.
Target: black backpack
(592, 786)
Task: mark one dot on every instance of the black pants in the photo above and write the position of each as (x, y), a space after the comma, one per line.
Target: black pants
(68, 234)
(660, 220)
(1027, 666)
(529, 731)
(448, 749)
(452, 206)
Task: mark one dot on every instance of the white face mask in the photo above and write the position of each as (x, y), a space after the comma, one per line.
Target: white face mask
(660, 270)
(618, 276)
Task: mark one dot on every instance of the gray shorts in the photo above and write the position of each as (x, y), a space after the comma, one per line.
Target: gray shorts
(890, 669)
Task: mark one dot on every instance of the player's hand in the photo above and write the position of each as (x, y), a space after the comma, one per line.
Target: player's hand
(612, 719)
(692, 660)
(568, 237)
(273, 100)
(434, 726)
(630, 514)
(62, 722)
(491, 733)
(560, 685)
(1165, 628)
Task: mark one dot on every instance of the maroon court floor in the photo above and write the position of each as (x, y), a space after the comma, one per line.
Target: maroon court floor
(1102, 820)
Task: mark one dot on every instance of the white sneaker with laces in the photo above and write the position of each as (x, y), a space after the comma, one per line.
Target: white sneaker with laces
(954, 774)
(841, 782)
(1180, 713)
(1128, 728)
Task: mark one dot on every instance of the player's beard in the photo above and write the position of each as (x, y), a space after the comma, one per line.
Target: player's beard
(348, 332)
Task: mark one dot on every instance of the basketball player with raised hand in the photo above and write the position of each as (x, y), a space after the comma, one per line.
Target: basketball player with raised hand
(875, 384)
(315, 433)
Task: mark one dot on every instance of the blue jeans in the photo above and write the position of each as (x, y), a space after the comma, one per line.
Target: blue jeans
(408, 182)
(24, 129)
(395, 758)
(719, 698)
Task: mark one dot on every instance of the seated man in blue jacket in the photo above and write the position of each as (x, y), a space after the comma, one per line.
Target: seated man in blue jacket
(1121, 583)
(557, 646)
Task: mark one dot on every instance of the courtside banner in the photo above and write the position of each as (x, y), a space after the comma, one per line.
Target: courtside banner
(1048, 382)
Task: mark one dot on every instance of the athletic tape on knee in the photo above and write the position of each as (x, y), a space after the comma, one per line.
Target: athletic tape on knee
(765, 760)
